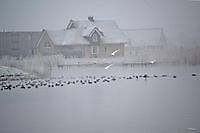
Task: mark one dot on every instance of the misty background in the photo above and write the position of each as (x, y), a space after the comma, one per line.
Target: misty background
(152, 98)
(180, 19)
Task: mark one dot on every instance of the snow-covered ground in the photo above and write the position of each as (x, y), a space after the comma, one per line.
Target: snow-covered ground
(10, 70)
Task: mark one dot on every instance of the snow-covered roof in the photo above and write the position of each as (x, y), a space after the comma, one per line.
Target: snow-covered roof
(88, 31)
(145, 37)
(75, 36)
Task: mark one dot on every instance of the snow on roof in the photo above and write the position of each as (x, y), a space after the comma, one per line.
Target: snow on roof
(87, 30)
(91, 28)
(73, 36)
(145, 37)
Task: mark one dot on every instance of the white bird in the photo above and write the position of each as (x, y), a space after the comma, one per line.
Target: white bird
(194, 0)
(192, 129)
(108, 66)
(114, 52)
(152, 61)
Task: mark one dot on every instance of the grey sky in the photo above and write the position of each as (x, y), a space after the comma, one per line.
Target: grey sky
(175, 16)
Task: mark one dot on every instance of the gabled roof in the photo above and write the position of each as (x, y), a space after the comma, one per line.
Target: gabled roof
(90, 30)
(73, 36)
(145, 37)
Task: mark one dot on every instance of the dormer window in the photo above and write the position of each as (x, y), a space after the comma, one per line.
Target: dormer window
(92, 33)
(95, 38)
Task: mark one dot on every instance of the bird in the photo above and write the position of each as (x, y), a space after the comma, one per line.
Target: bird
(107, 67)
(174, 76)
(145, 76)
(164, 75)
(114, 52)
(192, 129)
(194, 74)
(23, 87)
(155, 76)
(152, 61)
(193, 0)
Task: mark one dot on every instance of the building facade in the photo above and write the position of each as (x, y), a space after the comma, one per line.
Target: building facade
(145, 44)
(82, 39)
(89, 39)
(18, 44)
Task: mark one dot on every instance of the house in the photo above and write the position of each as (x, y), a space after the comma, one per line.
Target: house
(84, 39)
(18, 44)
(89, 39)
(81, 39)
(145, 43)
(146, 37)
(45, 45)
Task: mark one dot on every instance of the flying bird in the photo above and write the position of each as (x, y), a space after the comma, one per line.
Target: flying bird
(108, 66)
(114, 52)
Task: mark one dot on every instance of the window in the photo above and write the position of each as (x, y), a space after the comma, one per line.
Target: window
(95, 38)
(94, 51)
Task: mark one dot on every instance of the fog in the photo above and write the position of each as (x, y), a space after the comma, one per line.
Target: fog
(179, 18)
(152, 89)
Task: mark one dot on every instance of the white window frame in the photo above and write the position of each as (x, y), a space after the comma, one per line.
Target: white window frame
(94, 51)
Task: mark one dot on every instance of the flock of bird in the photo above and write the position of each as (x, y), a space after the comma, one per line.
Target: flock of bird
(28, 83)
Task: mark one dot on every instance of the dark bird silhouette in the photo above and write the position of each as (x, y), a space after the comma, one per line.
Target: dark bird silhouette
(155, 76)
(174, 76)
(106, 80)
(164, 75)
(194, 74)
(145, 76)
(23, 87)
(129, 77)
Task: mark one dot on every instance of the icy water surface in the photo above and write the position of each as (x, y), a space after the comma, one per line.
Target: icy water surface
(163, 104)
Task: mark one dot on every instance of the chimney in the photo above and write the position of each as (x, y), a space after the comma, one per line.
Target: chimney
(70, 24)
(91, 18)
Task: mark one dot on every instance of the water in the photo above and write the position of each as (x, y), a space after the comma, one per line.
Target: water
(154, 105)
